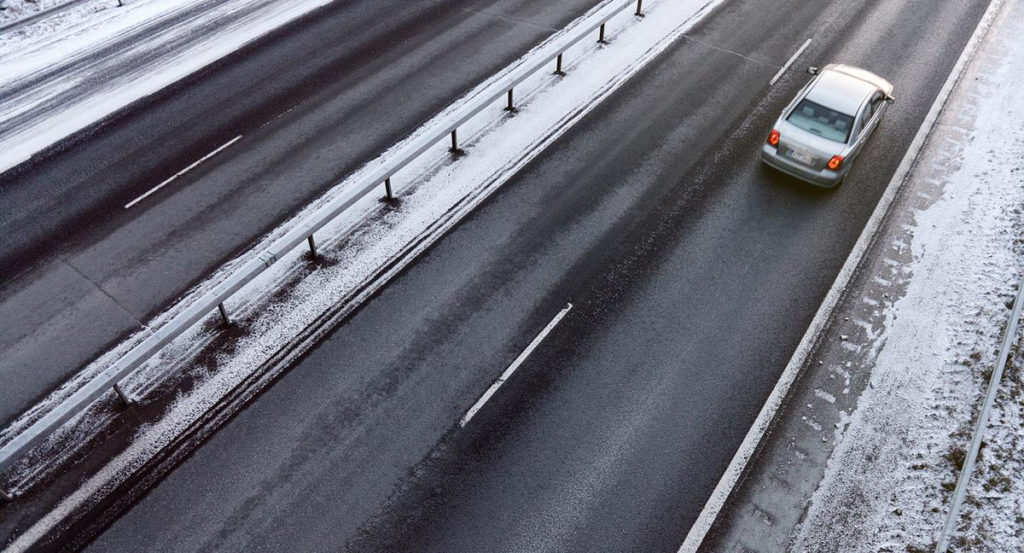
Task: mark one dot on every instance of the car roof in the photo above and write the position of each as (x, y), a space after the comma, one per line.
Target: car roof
(840, 91)
(862, 74)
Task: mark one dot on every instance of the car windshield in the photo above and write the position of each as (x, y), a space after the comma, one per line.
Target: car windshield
(821, 121)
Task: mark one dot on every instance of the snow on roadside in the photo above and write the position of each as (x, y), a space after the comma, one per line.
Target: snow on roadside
(369, 237)
(889, 482)
(78, 43)
(14, 10)
(55, 26)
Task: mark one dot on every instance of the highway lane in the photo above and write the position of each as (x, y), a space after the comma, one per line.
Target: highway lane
(80, 271)
(693, 271)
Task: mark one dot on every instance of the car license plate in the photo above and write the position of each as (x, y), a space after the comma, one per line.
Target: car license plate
(801, 156)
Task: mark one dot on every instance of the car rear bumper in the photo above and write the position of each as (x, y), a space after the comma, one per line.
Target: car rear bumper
(826, 178)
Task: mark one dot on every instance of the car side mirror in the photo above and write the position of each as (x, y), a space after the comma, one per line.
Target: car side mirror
(890, 100)
(812, 70)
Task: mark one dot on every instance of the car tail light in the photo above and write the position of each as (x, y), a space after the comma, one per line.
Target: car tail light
(773, 138)
(836, 163)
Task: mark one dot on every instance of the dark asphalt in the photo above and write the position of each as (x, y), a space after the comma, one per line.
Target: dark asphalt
(694, 272)
(79, 271)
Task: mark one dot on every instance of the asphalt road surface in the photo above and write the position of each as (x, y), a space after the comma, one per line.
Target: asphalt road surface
(312, 102)
(693, 272)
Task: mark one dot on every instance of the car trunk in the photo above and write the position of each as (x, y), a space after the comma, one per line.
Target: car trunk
(805, 148)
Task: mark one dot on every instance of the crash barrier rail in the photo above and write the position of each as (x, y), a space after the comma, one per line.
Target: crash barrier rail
(1009, 337)
(45, 13)
(303, 231)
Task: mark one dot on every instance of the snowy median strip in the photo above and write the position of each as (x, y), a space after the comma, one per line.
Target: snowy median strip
(363, 248)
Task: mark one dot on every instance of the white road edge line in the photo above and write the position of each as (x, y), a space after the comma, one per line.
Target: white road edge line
(790, 62)
(512, 368)
(752, 440)
(182, 172)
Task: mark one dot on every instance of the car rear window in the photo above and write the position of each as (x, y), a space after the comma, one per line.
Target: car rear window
(822, 121)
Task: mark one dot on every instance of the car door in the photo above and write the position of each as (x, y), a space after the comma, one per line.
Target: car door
(876, 106)
(867, 120)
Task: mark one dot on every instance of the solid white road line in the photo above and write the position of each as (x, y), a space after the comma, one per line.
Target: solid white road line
(512, 368)
(790, 62)
(182, 172)
(764, 419)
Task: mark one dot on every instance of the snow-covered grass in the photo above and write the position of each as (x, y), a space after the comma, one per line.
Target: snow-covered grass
(434, 193)
(84, 13)
(889, 482)
(16, 10)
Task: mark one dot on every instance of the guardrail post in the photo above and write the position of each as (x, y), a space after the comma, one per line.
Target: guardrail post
(455, 142)
(387, 188)
(600, 37)
(312, 245)
(510, 106)
(558, 67)
(127, 399)
(639, 8)
(224, 314)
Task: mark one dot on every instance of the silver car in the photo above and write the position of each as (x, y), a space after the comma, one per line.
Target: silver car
(822, 130)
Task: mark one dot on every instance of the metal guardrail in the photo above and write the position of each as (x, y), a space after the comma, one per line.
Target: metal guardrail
(44, 14)
(303, 231)
(1009, 337)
